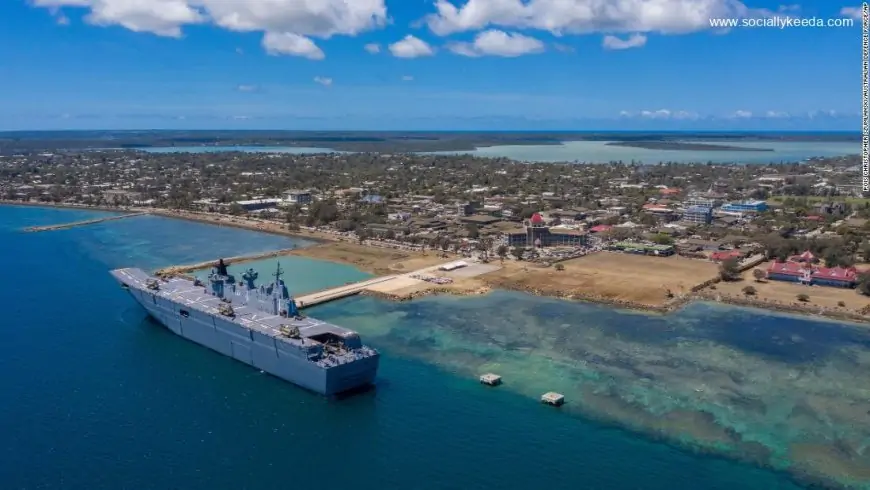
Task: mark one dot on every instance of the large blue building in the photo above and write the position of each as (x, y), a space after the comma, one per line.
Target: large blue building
(698, 214)
(745, 207)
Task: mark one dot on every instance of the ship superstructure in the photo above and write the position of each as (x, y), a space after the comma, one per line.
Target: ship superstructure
(258, 325)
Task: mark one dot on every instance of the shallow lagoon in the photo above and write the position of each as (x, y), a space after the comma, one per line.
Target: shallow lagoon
(779, 391)
(120, 402)
(601, 152)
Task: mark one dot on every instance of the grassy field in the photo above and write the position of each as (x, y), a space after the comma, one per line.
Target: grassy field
(786, 292)
(610, 275)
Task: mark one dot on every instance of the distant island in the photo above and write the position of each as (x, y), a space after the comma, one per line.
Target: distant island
(12, 142)
(682, 145)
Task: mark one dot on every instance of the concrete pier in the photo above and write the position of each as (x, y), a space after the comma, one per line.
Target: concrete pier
(378, 285)
(64, 226)
(184, 269)
(339, 292)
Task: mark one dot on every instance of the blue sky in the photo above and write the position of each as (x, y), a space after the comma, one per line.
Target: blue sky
(469, 64)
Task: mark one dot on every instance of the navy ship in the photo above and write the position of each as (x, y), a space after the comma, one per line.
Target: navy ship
(258, 325)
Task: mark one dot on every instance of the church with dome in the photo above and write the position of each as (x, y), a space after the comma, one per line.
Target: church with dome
(537, 233)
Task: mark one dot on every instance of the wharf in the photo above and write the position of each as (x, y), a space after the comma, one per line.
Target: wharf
(332, 294)
(184, 269)
(64, 226)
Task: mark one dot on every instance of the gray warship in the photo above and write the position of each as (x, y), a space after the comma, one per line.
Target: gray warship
(258, 325)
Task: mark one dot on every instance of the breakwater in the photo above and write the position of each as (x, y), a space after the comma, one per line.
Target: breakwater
(64, 226)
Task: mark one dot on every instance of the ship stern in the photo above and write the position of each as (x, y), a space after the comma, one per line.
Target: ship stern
(353, 375)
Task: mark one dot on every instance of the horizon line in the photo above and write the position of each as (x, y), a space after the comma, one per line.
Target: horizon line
(497, 131)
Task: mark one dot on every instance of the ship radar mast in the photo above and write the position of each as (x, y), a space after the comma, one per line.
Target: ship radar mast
(278, 289)
(278, 274)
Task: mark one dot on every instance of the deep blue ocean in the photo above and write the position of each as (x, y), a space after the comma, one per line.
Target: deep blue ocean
(94, 395)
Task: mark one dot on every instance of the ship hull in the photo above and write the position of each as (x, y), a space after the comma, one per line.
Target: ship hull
(257, 350)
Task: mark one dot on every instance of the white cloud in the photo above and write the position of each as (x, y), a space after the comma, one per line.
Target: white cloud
(852, 12)
(411, 47)
(161, 17)
(326, 82)
(661, 114)
(247, 88)
(670, 115)
(301, 18)
(563, 48)
(634, 41)
(291, 44)
(407, 78)
(498, 43)
(373, 48)
(585, 16)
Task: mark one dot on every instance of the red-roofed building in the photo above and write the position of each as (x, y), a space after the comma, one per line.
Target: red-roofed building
(536, 233)
(842, 277)
(725, 255)
(669, 191)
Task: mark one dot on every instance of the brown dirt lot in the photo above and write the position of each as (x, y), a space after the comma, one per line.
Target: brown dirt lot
(375, 260)
(608, 275)
(786, 293)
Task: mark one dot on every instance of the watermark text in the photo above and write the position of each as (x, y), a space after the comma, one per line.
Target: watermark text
(865, 97)
(782, 22)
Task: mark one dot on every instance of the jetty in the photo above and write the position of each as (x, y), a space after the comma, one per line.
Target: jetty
(64, 226)
(332, 294)
(184, 269)
(391, 286)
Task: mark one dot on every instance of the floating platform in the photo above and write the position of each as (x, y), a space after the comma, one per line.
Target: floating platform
(64, 226)
(553, 398)
(490, 379)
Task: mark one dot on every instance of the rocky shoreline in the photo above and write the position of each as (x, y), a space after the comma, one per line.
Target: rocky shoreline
(700, 292)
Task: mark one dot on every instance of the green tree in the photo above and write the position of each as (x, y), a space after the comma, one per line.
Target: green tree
(662, 239)
(729, 270)
(759, 275)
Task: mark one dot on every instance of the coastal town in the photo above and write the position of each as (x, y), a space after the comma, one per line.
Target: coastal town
(787, 236)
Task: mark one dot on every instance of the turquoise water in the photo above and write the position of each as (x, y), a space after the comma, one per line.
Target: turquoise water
(301, 275)
(295, 150)
(95, 395)
(601, 152)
